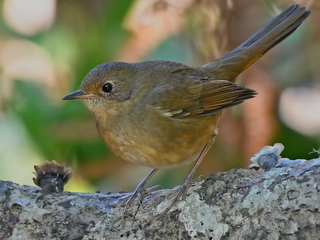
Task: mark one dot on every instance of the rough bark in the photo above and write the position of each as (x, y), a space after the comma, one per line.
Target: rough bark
(282, 203)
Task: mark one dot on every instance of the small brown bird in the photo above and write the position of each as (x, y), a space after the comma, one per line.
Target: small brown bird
(164, 114)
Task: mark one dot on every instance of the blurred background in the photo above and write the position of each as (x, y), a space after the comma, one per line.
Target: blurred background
(48, 46)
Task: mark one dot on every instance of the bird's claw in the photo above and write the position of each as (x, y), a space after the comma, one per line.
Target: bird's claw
(139, 193)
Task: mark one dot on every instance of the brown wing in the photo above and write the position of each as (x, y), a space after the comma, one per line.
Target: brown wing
(197, 96)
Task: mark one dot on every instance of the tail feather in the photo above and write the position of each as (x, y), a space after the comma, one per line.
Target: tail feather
(232, 64)
(278, 28)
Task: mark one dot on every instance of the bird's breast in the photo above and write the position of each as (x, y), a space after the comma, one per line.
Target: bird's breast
(158, 142)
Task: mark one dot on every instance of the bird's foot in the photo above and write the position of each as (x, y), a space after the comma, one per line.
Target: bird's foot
(139, 194)
(181, 193)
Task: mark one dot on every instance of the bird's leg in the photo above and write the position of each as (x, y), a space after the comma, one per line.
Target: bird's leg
(138, 192)
(185, 184)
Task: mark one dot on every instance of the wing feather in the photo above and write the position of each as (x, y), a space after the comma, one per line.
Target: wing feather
(195, 96)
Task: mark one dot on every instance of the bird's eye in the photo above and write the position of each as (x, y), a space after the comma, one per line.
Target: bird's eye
(107, 87)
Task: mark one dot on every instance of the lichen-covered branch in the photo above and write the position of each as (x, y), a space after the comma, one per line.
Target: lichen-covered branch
(282, 203)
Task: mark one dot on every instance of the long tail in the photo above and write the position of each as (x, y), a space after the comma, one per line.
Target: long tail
(232, 64)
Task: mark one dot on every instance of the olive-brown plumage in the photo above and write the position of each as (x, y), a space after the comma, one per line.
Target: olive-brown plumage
(164, 114)
(158, 113)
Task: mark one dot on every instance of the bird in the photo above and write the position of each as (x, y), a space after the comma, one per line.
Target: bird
(164, 114)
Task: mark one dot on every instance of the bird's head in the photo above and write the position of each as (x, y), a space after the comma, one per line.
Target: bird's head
(106, 88)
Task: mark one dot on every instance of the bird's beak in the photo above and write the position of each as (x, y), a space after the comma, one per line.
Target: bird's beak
(77, 95)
